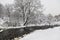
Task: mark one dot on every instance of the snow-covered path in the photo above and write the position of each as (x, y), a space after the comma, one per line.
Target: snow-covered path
(49, 34)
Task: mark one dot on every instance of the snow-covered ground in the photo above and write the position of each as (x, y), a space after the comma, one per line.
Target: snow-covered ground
(48, 34)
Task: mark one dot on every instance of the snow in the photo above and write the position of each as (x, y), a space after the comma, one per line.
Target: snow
(48, 34)
(1, 30)
(1, 21)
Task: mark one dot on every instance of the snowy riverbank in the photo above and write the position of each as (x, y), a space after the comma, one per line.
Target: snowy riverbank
(48, 34)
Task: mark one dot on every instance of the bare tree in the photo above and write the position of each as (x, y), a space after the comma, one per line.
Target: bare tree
(1, 11)
(57, 17)
(50, 19)
(28, 9)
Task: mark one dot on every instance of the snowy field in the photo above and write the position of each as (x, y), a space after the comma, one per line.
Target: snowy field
(48, 34)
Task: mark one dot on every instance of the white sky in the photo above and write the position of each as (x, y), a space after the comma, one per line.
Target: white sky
(51, 6)
(6, 1)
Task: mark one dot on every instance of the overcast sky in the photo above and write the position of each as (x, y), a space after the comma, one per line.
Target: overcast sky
(51, 6)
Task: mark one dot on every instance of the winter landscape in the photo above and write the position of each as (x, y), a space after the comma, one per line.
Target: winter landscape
(29, 20)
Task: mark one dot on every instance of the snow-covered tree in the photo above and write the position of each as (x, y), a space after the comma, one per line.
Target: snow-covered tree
(50, 19)
(57, 17)
(1, 11)
(28, 9)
